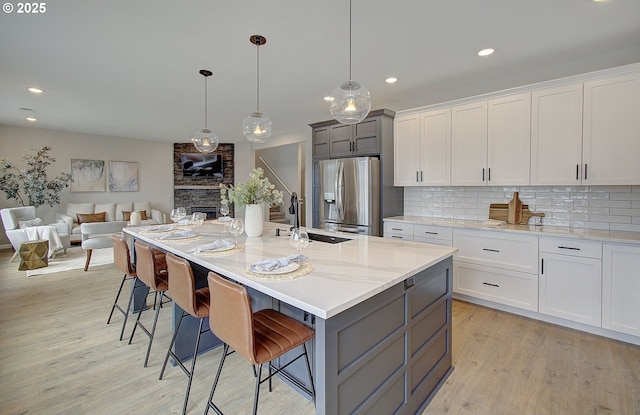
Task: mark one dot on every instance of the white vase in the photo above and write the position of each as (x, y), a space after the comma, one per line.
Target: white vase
(135, 219)
(253, 220)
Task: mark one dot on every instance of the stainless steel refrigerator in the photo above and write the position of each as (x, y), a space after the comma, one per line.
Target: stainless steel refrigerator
(350, 195)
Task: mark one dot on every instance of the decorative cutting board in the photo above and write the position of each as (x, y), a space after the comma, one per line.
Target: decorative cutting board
(514, 214)
(500, 211)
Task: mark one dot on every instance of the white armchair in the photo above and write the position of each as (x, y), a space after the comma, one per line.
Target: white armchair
(97, 235)
(58, 234)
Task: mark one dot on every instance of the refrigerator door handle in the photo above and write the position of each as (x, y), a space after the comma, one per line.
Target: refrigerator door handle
(340, 191)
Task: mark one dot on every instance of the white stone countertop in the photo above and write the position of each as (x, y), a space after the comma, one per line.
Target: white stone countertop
(552, 231)
(343, 275)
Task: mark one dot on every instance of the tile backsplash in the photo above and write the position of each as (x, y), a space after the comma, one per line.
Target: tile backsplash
(593, 207)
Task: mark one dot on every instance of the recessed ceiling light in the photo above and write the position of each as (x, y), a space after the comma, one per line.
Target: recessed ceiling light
(35, 90)
(31, 119)
(486, 52)
(391, 80)
(328, 98)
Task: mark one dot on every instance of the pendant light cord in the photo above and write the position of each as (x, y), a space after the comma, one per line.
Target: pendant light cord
(350, 78)
(205, 102)
(258, 78)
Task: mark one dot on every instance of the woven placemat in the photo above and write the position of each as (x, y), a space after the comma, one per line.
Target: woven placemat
(231, 251)
(304, 269)
(189, 239)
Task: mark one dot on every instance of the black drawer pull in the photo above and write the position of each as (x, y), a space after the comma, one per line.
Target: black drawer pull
(396, 236)
(490, 250)
(431, 233)
(492, 285)
(569, 247)
(397, 229)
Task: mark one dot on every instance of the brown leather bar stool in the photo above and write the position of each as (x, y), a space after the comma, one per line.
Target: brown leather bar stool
(192, 302)
(122, 261)
(151, 268)
(260, 337)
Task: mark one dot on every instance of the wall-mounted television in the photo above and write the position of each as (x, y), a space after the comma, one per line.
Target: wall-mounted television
(201, 165)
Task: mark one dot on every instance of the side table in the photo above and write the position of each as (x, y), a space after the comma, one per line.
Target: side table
(34, 254)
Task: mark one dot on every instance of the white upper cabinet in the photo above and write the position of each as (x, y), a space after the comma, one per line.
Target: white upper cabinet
(406, 150)
(509, 140)
(423, 149)
(556, 136)
(469, 144)
(491, 142)
(611, 136)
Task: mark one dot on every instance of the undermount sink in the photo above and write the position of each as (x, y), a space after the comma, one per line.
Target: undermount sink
(327, 238)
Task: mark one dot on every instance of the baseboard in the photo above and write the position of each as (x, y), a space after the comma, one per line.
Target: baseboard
(6, 246)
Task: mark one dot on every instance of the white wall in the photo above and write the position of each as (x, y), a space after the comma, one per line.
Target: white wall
(155, 169)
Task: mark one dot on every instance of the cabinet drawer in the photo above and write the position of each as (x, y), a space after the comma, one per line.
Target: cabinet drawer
(573, 247)
(398, 228)
(516, 289)
(433, 232)
(433, 241)
(513, 252)
(398, 236)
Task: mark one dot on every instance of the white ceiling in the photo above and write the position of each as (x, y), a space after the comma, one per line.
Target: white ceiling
(130, 68)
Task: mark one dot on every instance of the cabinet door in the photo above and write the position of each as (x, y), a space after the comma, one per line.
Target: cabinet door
(366, 140)
(436, 147)
(611, 141)
(509, 140)
(570, 288)
(341, 140)
(320, 143)
(621, 288)
(406, 150)
(556, 136)
(469, 144)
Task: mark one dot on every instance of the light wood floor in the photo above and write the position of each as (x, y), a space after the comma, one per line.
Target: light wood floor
(57, 356)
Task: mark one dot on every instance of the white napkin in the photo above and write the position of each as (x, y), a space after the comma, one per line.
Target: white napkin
(217, 244)
(159, 228)
(179, 234)
(272, 264)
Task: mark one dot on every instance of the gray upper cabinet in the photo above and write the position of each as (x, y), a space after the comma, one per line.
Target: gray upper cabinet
(331, 139)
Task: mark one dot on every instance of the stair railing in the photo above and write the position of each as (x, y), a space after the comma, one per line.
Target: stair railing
(275, 175)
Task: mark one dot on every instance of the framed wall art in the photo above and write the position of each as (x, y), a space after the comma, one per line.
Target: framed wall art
(123, 176)
(88, 175)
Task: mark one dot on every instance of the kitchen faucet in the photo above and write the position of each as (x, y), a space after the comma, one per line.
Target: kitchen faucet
(293, 209)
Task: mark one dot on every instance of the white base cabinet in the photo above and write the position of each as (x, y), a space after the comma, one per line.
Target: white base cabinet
(621, 288)
(570, 280)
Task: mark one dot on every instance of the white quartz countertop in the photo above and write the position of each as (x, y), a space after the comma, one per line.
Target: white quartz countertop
(343, 275)
(552, 231)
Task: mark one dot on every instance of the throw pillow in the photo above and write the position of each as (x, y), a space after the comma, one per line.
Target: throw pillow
(126, 215)
(29, 223)
(91, 217)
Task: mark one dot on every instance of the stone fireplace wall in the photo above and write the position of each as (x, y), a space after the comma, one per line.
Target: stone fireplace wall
(203, 192)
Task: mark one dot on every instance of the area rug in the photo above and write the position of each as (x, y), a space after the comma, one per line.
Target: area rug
(74, 259)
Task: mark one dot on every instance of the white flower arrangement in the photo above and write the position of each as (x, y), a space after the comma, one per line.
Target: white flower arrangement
(257, 189)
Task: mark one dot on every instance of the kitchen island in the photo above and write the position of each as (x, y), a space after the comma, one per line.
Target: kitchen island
(381, 310)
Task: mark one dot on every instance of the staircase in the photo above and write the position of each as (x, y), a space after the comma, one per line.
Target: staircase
(277, 215)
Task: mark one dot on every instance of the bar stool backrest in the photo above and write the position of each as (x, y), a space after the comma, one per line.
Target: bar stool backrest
(121, 258)
(182, 285)
(147, 265)
(231, 317)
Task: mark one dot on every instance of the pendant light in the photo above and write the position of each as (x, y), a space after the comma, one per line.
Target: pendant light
(350, 101)
(205, 140)
(257, 126)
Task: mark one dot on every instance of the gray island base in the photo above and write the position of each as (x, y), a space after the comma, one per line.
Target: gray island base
(384, 353)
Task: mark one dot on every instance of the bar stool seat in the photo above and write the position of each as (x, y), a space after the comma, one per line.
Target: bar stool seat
(259, 337)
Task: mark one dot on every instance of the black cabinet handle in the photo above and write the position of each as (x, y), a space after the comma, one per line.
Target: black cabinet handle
(489, 178)
(421, 179)
(431, 233)
(417, 180)
(542, 266)
(569, 247)
(396, 229)
(490, 284)
(396, 236)
(490, 250)
(577, 171)
(585, 171)
(483, 174)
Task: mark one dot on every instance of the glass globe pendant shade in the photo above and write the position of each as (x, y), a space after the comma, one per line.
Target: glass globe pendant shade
(205, 141)
(351, 103)
(256, 127)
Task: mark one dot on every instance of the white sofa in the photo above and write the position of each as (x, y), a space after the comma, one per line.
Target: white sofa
(17, 228)
(114, 213)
